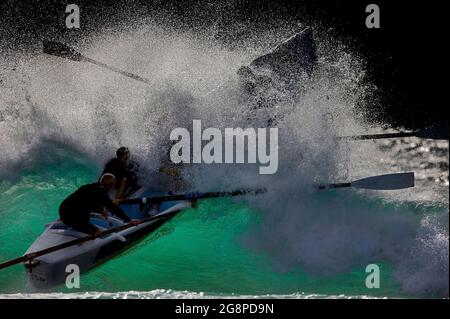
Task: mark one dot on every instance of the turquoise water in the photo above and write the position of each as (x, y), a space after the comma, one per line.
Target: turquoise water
(199, 251)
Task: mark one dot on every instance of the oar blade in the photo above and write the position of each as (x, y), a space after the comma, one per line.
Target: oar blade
(62, 51)
(386, 182)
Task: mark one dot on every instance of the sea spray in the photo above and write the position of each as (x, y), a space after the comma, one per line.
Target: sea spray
(47, 101)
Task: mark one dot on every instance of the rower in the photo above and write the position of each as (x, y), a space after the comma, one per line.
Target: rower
(125, 172)
(76, 209)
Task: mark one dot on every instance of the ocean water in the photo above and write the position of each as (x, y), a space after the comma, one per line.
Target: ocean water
(60, 121)
(200, 254)
(198, 251)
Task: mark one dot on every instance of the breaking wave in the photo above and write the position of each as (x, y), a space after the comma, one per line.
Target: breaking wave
(46, 100)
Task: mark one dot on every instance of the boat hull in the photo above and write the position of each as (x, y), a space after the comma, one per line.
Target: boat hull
(53, 269)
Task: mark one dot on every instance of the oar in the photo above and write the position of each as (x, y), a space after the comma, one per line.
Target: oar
(77, 241)
(194, 196)
(380, 182)
(63, 51)
(435, 133)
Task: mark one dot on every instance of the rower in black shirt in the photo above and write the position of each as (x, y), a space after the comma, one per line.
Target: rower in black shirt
(125, 172)
(76, 209)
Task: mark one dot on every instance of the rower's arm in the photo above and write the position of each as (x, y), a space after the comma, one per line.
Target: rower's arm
(116, 210)
(122, 188)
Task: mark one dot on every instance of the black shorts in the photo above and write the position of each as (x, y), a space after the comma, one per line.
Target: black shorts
(77, 218)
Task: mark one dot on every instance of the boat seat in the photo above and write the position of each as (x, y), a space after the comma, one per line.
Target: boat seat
(69, 231)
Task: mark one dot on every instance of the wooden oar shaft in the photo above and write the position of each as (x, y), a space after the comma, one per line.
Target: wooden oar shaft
(336, 185)
(114, 69)
(74, 242)
(194, 196)
(378, 136)
(435, 133)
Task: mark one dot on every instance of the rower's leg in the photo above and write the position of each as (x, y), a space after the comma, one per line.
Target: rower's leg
(74, 219)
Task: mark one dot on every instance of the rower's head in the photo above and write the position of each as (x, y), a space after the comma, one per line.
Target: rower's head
(123, 154)
(108, 181)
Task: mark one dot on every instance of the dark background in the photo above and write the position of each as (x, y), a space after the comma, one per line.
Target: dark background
(404, 57)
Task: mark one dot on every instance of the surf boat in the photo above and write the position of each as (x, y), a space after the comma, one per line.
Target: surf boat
(51, 269)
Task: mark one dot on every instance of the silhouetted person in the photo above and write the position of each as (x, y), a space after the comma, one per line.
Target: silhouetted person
(76, 209)
(125, 172)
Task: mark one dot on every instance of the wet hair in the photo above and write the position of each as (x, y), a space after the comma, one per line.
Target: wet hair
(122, 151)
